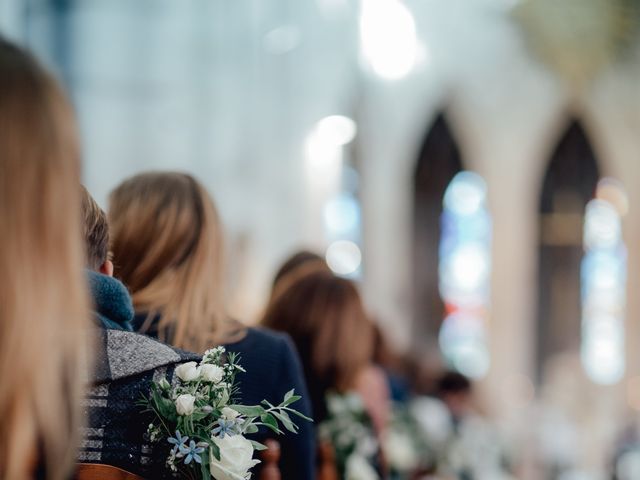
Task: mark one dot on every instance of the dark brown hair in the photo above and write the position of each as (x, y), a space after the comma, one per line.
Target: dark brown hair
(297, 260)
(95, 230)
(325, 317)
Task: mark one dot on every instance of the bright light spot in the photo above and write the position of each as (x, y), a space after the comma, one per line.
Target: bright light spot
(462, 343)
(324, 159)
(342, 215)
(336, 130)
(466, 194)
(602, 227)
(602, 351)
(388, 37)
(282, 40)
(613, 192)
(603, 277)
(343, 257)
(466, 269)
(472, 360)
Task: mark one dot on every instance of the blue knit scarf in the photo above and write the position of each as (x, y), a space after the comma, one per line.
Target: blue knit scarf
(112, 302)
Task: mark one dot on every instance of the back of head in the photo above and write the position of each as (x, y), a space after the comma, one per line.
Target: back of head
(325, 317)
(95, 231)
(167, 248)
(453, 383)
(303, 259)
(43, 312)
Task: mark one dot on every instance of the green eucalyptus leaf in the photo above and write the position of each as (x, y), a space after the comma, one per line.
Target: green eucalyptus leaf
(270, 421)
(286, 421)
(249, 411)
(257, 445)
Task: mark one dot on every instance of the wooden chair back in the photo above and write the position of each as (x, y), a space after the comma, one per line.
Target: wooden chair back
(96, 471)
(327, 469)
(270, 458)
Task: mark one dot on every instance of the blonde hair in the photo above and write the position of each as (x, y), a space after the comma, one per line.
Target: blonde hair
(167, 247)
(43, 305)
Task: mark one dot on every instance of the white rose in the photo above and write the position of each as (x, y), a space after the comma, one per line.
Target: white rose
(236, 458)
(211, 373)
(187, 372)
(229, 413)
(185, 404)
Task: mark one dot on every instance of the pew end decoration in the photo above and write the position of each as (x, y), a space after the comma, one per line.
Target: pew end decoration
(203, 431)
(349, 430)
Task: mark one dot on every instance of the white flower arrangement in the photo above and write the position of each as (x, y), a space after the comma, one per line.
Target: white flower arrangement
(349, 430)
(205, 432)
(406, 449)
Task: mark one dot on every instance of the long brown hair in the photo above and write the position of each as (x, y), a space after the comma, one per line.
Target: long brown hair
(167, 247)
(325, 317)
(43, 304)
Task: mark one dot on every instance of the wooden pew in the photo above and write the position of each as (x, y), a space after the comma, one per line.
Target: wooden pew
(327, 469)
(97, 471)
(270, 458)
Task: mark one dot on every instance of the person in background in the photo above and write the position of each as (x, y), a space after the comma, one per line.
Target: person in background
(325, 317)
(302, 259)
(44, 309)
(392, 366)
(167, 246)
(455, 391)
(111, 300)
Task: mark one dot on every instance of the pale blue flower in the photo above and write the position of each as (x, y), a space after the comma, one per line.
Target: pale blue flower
(178, 441)
(225, 427)
(191, 452)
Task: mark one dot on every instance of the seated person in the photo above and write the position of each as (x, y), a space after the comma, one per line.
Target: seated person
(126, 363)
(167, 241)
(325, 316)
(111, 300)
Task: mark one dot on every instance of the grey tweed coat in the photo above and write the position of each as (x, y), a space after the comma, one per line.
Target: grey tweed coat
(127, 363)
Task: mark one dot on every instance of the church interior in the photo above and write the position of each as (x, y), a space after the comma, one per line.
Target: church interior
(472, 165)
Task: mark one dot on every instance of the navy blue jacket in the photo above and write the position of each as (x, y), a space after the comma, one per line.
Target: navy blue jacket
(273, 368)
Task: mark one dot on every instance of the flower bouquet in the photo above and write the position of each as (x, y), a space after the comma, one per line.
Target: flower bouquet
(406, 449)
(349, 430)
(203, 430)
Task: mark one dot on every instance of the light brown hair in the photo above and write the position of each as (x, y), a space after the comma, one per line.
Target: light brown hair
(95, 230)
(167, 245)
(325, 317)
(43, 304)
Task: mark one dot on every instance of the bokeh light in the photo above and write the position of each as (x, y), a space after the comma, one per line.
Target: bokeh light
(343, 257)
(342, 216)
(388, 38)
(464, 274)
(336, 129)
(603, 282)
